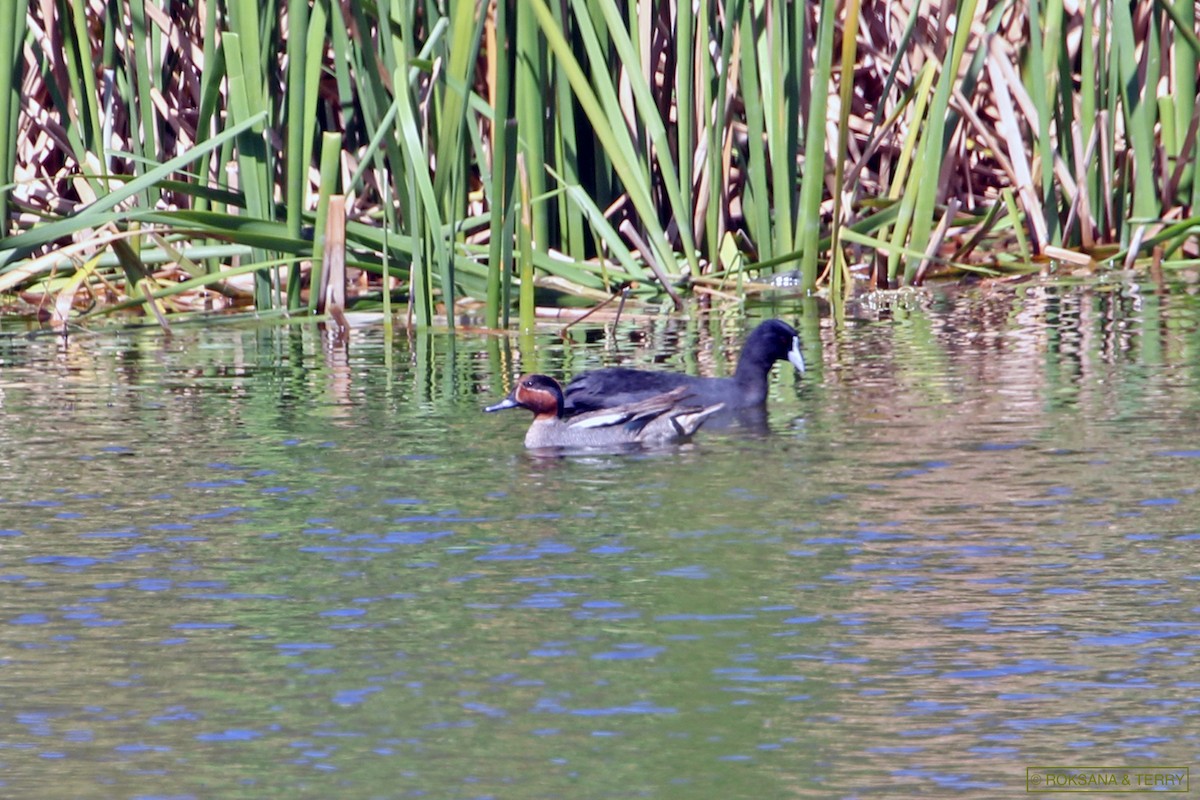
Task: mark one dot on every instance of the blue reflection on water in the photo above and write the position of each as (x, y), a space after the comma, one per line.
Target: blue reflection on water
(630, 651)
(554, 706)
(350, 697)
(234, 735)
(1023, 667)
(522, 552)
(895, 592)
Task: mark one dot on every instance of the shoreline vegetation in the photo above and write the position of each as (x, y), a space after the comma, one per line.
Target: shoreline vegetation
(518, 160)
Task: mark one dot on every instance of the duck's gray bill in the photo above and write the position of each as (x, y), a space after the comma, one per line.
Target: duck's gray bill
(507, 402)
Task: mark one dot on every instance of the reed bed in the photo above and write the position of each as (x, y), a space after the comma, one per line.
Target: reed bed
(180, 158)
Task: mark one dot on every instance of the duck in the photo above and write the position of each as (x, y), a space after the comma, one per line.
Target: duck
(773, 340)
(658, 419)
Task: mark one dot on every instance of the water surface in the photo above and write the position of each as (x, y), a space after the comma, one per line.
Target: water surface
(251, 563)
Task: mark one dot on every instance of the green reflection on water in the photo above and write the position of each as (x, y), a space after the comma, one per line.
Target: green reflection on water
(249, 561)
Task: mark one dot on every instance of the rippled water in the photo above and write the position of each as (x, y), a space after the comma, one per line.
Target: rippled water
(251, 563)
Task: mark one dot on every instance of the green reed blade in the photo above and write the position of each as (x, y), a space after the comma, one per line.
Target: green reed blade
(1184, 61)
(1042, 72)
(331, 151)
(812, 182)
(689, 48)
(449, 142)
(366, 98)
(1088, 96)
(849, 234)
(719, 130)
(531, 89)
(251, 155)
(652, 122)
(524, 234)
(93, 214)
(705, 185)
(936, 135)
(143, 138)
(77, 107)
(1014, 214)
(315, 45)
(841, 155)
(182, 250)
(455, 80)
(600, 224)
(503, 162)
(567, 144)
(1140, 108)
(246, 23)
(192, 284)
(786, 68)
(12, 37)
(257, 233)
(83, 78)
(1183, 14)
(299, 92)
(756, 199)
(422, 185)
(614, 139)
(915, 103)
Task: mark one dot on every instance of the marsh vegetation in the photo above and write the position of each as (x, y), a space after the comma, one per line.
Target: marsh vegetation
(499, 159)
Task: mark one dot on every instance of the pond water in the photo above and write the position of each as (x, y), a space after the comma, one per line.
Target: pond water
(250, 563)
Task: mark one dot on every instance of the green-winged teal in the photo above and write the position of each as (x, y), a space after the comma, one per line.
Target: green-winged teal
(657, 419)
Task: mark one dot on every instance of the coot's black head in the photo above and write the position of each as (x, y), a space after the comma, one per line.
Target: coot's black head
(773, 340)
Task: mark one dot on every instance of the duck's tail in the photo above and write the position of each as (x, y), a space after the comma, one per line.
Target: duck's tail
(689, 422)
